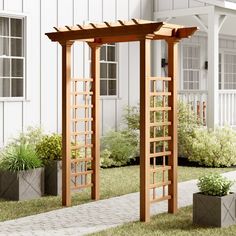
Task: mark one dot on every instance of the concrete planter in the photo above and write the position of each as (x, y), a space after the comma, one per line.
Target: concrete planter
(53, 178)
(213, 210)
(22, 185)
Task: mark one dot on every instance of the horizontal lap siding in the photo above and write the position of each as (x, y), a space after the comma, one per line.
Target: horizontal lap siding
(167, 5)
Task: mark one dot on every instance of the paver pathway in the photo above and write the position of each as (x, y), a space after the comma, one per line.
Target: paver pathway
(94, 216)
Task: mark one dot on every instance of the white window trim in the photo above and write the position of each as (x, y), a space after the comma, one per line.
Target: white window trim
(224, 51)
(25, 17)
(182, 67)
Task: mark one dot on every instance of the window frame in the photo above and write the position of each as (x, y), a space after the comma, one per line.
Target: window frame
(24, 17)
(116, 62)
(222, 52)
(182, 66)
(109, 97)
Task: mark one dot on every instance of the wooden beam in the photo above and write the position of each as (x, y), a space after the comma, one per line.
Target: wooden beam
(185, 32)
(90, 32)
(118, 39)
(144, 129)
(172, 102)
(95, 74)
(66, 123)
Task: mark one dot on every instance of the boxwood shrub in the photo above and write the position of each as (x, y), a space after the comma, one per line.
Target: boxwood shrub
(50, 148)
(214, 184)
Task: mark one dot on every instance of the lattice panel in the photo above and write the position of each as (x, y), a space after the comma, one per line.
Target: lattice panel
(159, 137)
(81, 146)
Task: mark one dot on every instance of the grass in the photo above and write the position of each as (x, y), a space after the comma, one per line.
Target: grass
(114, 182)
(179, 224)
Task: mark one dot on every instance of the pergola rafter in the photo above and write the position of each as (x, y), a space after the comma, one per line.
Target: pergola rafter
(158, 108)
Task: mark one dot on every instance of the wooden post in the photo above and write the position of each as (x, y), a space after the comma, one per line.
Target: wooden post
(144, 130)
(95, 74)
(173, 147)
(66, 123)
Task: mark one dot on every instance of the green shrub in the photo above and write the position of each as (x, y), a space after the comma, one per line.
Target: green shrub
(50, 148)
(188, 123)
(19, 157)
(32, 136)
(131, 117)
(213, 148)
(195, 142)
(214, 185)
(119, 148)
(105, 159)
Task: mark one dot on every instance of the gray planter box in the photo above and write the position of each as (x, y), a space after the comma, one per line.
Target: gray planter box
(213, 210)
(53, 178)
(22, 185)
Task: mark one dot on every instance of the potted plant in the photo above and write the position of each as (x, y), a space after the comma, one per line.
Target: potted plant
(21, 174)
(214, 205)
(49, 149)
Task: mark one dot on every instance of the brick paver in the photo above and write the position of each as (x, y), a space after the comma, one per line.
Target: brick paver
(94, 216)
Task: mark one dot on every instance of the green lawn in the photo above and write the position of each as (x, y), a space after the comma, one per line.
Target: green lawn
(114, 182)
(179, 224)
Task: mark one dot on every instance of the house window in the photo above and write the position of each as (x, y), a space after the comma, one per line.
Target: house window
(11, 57)
(191, 67)
(227, 80)
(108, 70)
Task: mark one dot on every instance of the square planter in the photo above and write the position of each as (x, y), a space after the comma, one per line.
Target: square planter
(22, 185)
(213, 210)
(53, 178)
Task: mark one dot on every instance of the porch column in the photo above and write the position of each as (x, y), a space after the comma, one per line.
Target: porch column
(213, 70)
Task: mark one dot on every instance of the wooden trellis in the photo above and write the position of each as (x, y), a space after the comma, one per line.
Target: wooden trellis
(158, 108)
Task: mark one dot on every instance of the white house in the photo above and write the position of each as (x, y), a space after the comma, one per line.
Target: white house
(30, 64)
(208, 60)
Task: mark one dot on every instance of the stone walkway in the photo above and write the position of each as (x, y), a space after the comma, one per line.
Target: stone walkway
(95, 216)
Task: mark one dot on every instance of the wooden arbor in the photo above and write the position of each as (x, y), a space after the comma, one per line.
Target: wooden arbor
(158, 108)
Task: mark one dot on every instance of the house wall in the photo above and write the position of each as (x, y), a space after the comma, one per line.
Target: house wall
(166, 5)
(226, 43)
(43, 103)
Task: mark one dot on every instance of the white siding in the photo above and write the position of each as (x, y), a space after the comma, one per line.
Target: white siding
(123, 70)
(13, 111)
(32, 108)
(166, 5)
(43, 103)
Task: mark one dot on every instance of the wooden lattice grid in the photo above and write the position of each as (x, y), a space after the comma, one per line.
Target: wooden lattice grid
(81, 146)
(159, 137)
